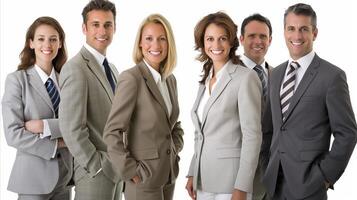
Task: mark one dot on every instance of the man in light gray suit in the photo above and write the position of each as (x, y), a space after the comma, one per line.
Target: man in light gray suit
(309, 101)
(256, 36)
(87, 83)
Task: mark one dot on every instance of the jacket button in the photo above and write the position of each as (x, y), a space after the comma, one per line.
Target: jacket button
(168, 151)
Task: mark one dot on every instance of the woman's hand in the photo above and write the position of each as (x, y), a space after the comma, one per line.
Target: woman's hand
(136, 179)
(239, 195)
(35, 126)
(189, 188)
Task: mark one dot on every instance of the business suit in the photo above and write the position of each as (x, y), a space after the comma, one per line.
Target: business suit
(227, 147)
(34, 172)
(300, 144)
(86, 98)
(259, 191)
(142, 138)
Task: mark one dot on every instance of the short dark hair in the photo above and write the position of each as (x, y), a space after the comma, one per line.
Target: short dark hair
(302, 9)
(256, 17)
(104, 5)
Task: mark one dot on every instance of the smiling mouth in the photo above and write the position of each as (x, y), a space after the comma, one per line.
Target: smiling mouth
(296, 43)
(155, 53)
(216, 52)
(101, 39)
(47, 52)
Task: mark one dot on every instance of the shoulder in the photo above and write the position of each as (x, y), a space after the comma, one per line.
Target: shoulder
(16, 77)
(132, 74)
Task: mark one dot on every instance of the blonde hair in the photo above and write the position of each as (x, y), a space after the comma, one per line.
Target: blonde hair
(169, 62)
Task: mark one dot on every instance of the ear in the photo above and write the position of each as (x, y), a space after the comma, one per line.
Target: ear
(241, 39)
(84, 28)
(270, 39)
(315, 33)
(31, 44)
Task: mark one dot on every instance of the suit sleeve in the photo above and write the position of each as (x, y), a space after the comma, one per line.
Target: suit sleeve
(249, 108)
(73, 118)
(53, 125)
(177, 131)
(115, 131)
(343, 128)
(14, 123)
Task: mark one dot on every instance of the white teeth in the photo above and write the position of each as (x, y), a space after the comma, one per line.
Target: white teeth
(297, 43)
(257, 48)
(216, 52)
(46, 52)
(155, 53)
(101, 39)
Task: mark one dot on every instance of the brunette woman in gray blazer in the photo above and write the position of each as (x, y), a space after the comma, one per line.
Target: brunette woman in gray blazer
(43, 164)
(226, 116)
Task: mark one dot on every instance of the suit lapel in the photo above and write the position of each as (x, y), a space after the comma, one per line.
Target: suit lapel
(97, 71)
(194, 114)
(149, 80)
(36, 82)
(304, 84)
(221, 85)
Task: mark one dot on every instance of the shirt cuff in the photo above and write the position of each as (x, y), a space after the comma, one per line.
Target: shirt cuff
(55, 151)
(46, 130)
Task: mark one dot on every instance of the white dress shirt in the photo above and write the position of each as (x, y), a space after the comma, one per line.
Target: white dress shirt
(207, 94)
(161, 84)
(44, 77)
(304, 63)
(251, 64)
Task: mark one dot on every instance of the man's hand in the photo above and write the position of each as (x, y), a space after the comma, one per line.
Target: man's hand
(189, 188)
(136, 179)
(35, 126)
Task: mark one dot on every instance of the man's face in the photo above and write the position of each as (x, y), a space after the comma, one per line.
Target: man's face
(99, 29)
(256, 41)
(299, 35)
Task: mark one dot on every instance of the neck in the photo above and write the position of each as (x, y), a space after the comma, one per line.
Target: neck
(46, 67)
(217, 66)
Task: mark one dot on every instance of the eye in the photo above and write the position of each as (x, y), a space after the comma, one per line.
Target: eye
(96, 25)
(263, 37)
(223, 39)
(41, 39)
(148, 38)
(305, 29)
(108, 25)
(290, 28)
(162, 38)
(53, 39)
(210, 39)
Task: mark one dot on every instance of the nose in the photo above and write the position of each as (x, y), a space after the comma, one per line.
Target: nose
(102, 30)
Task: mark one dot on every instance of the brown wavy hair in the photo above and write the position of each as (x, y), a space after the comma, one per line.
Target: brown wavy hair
(223, 20)
(27, 55)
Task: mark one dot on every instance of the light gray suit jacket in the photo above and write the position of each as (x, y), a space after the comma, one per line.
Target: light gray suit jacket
(319, 108)
(227, 142)
(86, 99)
(26, 98)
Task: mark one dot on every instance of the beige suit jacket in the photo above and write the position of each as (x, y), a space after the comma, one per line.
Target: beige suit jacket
(86, 98)
(142, 139)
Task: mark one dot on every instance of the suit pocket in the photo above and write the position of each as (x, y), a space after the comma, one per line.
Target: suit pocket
(145, 154)
(222, 153)
(310, 155)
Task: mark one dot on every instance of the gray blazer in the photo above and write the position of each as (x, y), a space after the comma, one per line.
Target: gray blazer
(227, 142)
(86, 99)
(319, 108)
(26, 98)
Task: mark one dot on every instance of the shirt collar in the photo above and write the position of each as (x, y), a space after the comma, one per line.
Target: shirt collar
(304, 61)
(219, 73)
(155, 74)
(98, 56)
(44, 77)
(249, 63)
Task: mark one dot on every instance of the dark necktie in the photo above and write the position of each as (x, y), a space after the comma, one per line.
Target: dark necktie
(54, 95)
(260, 71)
(287, 90)
(108, 72)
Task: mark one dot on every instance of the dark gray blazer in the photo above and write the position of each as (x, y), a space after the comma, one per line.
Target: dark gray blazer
(320, 108)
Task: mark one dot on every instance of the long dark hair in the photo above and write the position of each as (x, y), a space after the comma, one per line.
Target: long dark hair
(27, 55)
(223, 20)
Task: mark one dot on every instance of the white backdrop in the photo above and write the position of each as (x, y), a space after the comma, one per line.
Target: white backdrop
(336, 42)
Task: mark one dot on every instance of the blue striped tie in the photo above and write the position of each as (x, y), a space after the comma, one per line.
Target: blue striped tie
(260, 71)
(54, 95)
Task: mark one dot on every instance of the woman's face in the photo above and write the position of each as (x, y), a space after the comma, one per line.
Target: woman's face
(46, 43)
(216, 44)
(154, 44)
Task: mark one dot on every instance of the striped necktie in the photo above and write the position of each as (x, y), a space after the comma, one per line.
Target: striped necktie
(260, 71)
(288, 88)
(54, 95)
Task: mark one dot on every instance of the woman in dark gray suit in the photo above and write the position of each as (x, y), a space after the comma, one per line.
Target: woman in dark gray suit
(226, 116)
(43, 164)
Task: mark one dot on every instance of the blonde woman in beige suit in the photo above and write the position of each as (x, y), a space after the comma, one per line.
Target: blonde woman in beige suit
(226, 116)
(142, 131)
